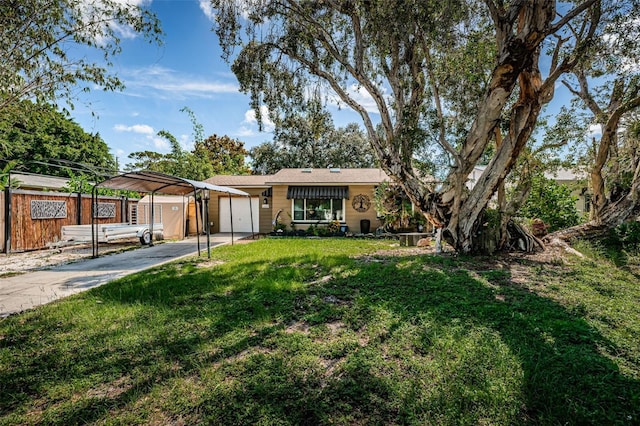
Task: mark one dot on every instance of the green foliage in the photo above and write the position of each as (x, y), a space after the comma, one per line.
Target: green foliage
(33, 133)
(333, 227)
(332, 332)
(43, 54)
(83, 183)
(5, 175)
(430, 80)
(626, 236)
(210, 156)
(311, 140)
(408, 46)
(552, 202)
(394, 208)
(79, 183)
(179, 163)
(226, 155)
(279, 226)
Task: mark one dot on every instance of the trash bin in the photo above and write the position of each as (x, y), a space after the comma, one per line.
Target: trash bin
(365, 226)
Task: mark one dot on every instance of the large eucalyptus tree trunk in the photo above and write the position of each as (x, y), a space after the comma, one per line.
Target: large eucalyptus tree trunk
(398, 53)
(458, 210)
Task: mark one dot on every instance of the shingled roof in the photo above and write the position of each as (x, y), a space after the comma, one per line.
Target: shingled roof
(253, 181)
(38, 182)
(328, 176)
(304, 176)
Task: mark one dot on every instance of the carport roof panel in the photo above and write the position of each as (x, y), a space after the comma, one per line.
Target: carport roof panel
(154, 182)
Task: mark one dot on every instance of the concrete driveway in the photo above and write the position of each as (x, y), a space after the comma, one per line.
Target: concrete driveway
(24, 291)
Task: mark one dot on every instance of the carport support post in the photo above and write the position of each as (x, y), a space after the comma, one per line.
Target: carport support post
(151, 224)
(206, 195)
(251, 216)
(231, 217)
(79, 208)
(94, 231)
(195, 203)
(124, 202)
(7, 217)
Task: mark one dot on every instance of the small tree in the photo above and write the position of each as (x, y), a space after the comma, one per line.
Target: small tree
(39, 57)
(225, 155)
(393, 207)
(210, 156)
(552, 203)
(178, 162)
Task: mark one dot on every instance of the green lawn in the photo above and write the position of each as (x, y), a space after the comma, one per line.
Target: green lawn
(333, 331)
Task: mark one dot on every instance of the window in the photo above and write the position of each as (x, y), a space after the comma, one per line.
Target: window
(318, 210)
(140, 216)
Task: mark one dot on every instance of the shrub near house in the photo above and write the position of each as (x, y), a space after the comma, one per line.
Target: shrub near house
(552, 203)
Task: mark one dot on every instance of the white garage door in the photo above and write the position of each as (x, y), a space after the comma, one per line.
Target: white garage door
(241, 214)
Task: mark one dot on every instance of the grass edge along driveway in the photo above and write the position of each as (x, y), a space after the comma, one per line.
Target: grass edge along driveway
(332, 331)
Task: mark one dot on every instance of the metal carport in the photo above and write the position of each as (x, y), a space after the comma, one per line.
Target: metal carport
(160, 183)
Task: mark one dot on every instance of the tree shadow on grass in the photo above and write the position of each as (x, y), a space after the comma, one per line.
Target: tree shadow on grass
(568, 377)
(258, 343)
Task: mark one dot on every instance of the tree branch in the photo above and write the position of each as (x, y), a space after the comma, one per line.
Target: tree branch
(572, 14)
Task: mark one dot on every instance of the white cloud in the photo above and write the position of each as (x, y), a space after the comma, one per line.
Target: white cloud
(187, 86)
(245, 131)
(102, 20)
(185, 143)
(358, 94)
(160, 144)
(205, 6)
(361, 96)
(244, 5)
(165, 83)
(594, 130)
(142, 129)
(251, 118)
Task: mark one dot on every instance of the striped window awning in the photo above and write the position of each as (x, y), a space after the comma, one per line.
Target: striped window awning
(318, 192)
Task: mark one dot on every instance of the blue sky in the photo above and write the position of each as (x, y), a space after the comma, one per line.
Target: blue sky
(186, 71)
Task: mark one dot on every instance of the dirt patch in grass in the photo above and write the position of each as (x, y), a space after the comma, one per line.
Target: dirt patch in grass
(335, 327)
(208, 264)
(298, 327)
(519, 265)
(111, 390)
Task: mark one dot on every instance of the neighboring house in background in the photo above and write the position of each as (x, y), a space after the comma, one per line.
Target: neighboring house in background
(303, 197)
(33, 182)
(577, 182)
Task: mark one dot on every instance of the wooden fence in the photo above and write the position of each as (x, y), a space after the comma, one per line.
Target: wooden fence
(34, 220)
